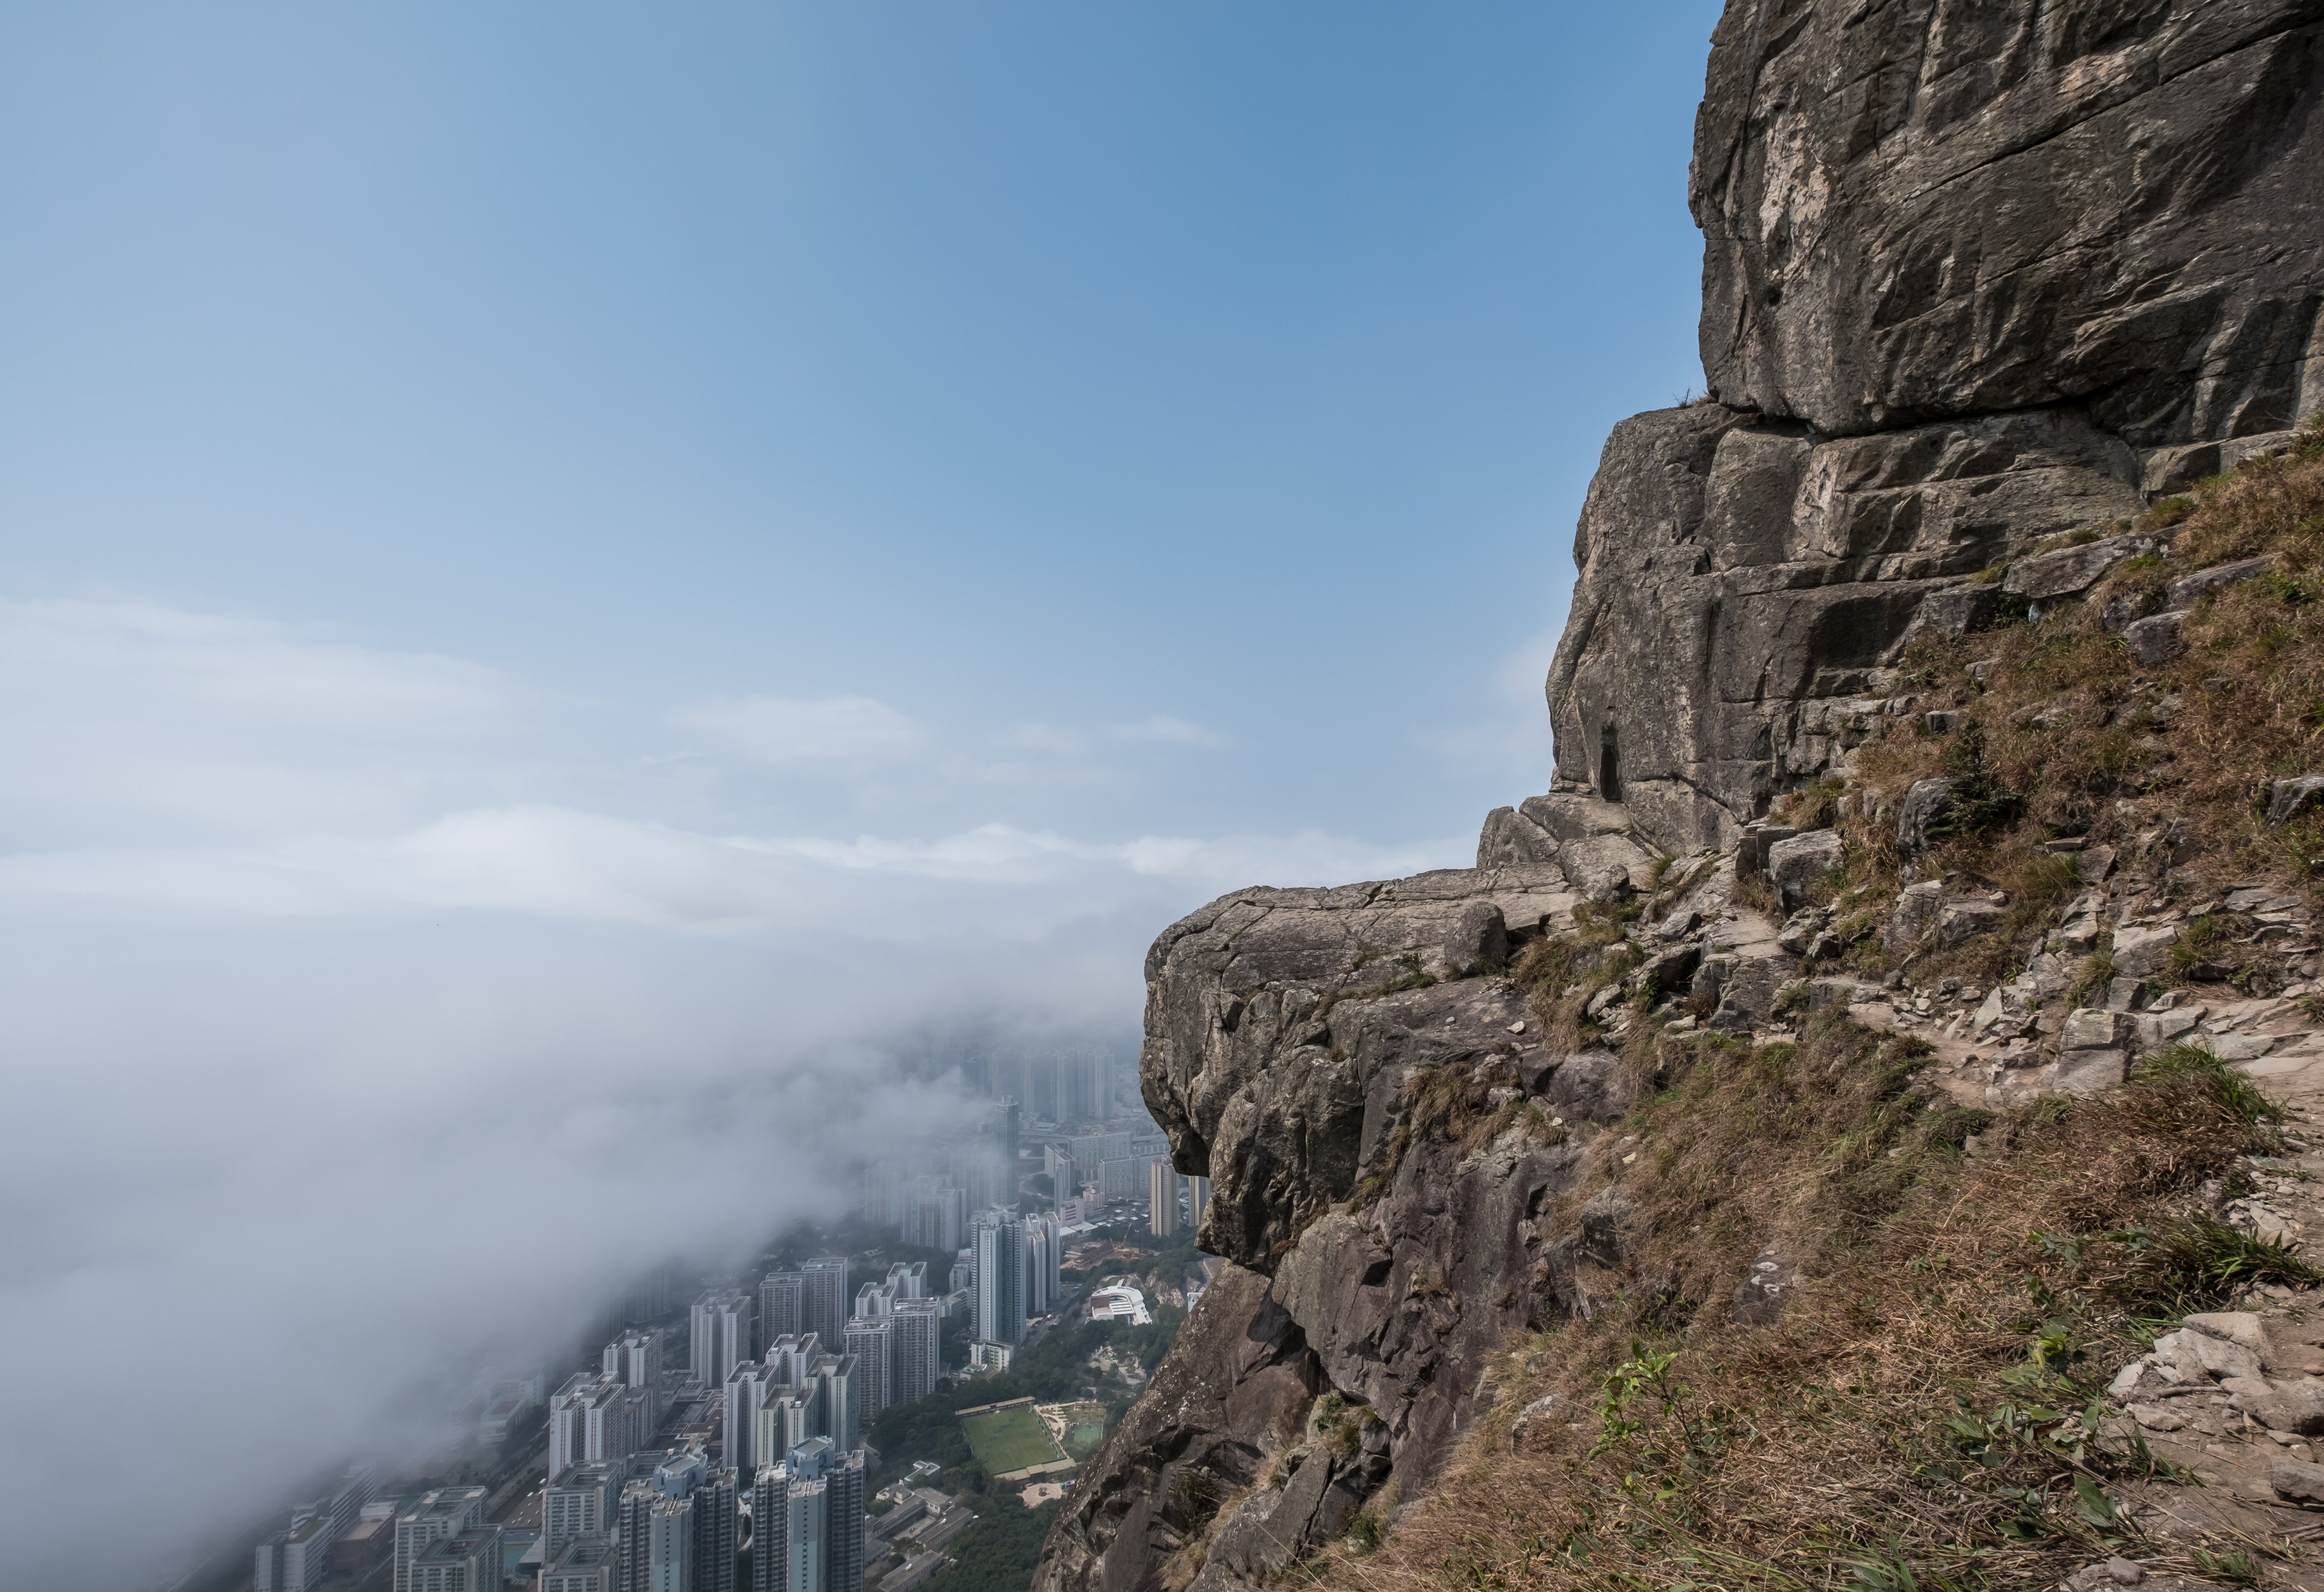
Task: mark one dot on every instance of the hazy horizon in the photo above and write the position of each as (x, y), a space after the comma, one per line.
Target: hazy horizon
(578, 584)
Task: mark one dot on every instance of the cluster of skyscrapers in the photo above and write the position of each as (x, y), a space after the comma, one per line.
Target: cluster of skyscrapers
(444, 1544)
(786, 1490)
(764, 1490)
(669, 1521)
(294, 1559)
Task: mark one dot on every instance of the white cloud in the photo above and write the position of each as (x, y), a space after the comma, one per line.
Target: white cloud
(122, 717)
(234, 671)
(560, 863)
(379, 1013)
(796, 730)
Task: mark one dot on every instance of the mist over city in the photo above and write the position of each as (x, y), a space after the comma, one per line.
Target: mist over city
(616, 634)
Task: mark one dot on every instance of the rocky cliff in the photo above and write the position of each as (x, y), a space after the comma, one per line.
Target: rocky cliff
(1983, 282)
(1974, 276)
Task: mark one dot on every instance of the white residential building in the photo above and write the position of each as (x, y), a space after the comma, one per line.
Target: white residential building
(719, 1335)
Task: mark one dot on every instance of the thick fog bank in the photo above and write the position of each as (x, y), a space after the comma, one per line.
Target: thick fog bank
(370, 1019)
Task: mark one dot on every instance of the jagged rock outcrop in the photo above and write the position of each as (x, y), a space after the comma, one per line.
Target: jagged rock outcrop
(1980, 281)
(1389, 1131)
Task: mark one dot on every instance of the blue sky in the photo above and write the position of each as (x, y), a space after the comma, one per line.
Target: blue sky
(579, 543)
(1011, 366)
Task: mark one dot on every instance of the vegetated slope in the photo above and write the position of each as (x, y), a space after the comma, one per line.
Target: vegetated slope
(1913, 1391)
(2057, 727)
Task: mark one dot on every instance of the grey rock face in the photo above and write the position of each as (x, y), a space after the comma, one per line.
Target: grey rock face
(1922, 210)
(1744, 586)
(1978, 279)
(1234, 1392)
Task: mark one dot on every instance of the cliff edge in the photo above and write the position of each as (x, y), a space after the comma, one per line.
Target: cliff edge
(1867, 811)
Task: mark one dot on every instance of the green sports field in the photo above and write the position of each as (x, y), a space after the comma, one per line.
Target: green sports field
(1010, 1440)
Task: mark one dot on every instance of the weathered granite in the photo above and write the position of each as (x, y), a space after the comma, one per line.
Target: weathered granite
(1741, 581)
(1233, 1393)
(1919, 209)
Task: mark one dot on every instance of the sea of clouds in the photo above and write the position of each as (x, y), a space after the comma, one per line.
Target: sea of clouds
(371, 1015)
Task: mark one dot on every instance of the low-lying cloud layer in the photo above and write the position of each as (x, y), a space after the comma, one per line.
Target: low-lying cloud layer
(370, 1015)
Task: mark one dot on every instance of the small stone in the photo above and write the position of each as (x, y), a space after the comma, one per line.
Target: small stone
(2088, 1071)
(2090, 1028)
(2123, 1573)
(2297, 1409)
(1926, 806)
(1759, 1296)
(1518, 1027)
(2070, 570)
(2152, 639)
(1918, 908)
(2142, 953)
(1965, 920)
(2234, 1326)
(2288, 798)
(2296, 1483)
(2158, 1417)
(1541, 1409)
(2196, 1355)
(2184, 591)
(1679, 924)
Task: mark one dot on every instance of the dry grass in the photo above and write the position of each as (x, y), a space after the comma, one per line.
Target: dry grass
(1923, 1414)
(2167, 764)
(1559, 973)
(1917, 1418)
